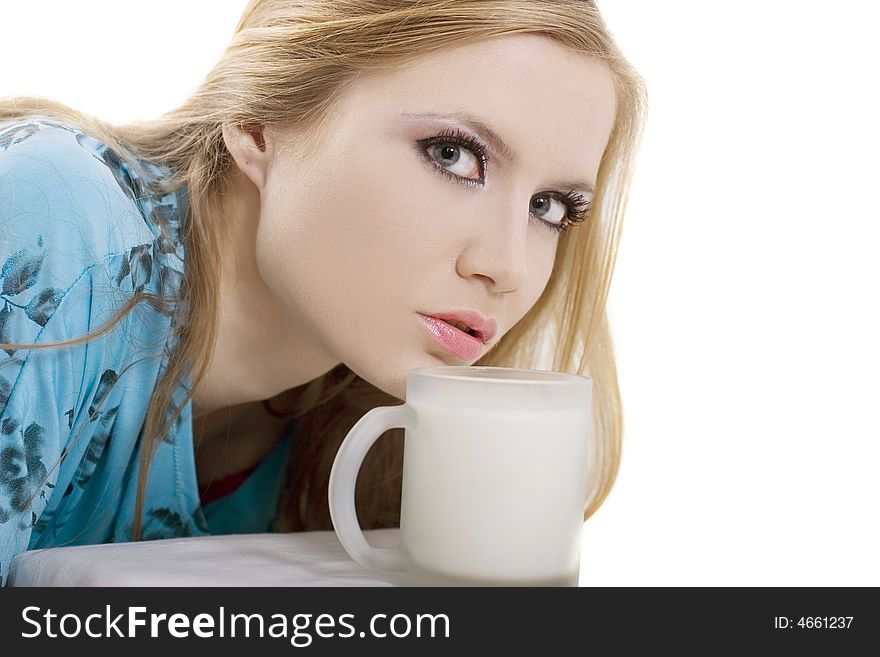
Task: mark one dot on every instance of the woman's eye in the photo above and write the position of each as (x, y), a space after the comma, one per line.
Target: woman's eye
(548, 208)
(456, 159)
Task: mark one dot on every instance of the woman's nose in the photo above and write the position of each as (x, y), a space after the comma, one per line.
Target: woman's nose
(496, 251)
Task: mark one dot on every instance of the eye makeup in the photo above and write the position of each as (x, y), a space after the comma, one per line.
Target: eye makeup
(577, 209)
(458, 139)
(577, 206)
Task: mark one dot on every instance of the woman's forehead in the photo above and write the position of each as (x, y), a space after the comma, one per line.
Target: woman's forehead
(534, 97)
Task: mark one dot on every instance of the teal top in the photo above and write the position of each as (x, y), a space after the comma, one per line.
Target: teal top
(78, 237)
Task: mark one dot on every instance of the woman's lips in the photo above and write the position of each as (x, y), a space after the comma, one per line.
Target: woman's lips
(454, 340)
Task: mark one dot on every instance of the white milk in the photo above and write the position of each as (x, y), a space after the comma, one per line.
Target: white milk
(494, 496)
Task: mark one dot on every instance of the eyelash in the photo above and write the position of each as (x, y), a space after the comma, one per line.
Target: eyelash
(577, 206)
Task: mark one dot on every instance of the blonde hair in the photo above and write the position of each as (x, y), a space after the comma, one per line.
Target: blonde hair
(287, 64)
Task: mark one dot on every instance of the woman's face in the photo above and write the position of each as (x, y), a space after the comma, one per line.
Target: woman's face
(396, 216)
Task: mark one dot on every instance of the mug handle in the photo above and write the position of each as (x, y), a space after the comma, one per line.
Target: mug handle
(343, 477)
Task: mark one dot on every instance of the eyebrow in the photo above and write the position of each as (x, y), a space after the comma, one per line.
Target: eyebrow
(497, 143)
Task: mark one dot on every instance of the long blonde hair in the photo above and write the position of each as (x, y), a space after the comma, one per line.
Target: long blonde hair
(288, 63)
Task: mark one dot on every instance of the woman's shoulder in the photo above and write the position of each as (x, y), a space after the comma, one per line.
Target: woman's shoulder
(69, 197)
(56, 151)
(56, 179)
(109, 198)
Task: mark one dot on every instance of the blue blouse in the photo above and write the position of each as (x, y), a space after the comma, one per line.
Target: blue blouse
(78, 237)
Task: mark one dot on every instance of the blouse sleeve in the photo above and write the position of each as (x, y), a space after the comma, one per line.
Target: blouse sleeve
(64, 239)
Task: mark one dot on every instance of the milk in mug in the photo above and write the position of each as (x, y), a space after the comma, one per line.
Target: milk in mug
(495, 467)
(495, 495)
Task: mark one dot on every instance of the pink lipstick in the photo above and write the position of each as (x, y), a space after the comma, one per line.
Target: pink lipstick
(456, 341)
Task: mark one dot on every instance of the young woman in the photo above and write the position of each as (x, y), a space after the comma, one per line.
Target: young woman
(196, 309)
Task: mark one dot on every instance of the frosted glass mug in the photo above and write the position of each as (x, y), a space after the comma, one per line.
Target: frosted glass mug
(494, 477)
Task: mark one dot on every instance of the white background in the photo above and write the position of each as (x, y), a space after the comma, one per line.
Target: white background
(744, 305)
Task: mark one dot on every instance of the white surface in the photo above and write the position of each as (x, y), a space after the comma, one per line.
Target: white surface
(297, 559)
(744, 305)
